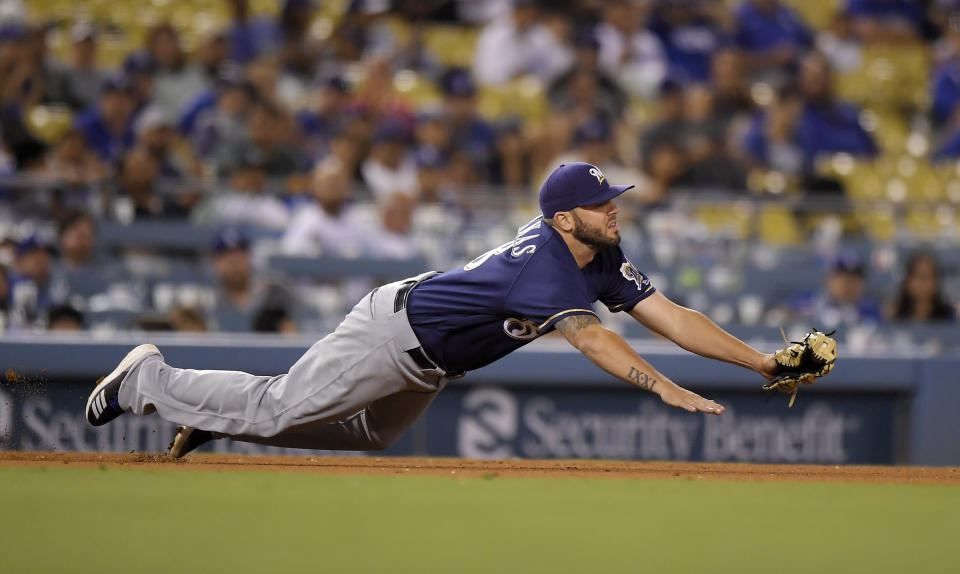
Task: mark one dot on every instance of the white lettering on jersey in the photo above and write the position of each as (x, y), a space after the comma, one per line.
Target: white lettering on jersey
(513, 246)
(522, 329)
(518, 251)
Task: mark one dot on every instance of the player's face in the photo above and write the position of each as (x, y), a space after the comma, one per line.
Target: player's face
(596, 225)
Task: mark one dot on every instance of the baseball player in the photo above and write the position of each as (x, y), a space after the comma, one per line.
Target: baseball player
(361, 386)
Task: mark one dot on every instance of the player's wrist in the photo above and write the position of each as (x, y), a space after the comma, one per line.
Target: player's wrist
(766, 365)
(665, 386)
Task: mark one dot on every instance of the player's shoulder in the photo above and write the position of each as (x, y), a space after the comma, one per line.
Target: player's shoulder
(541, 254)
(527, 246)
(546, 244)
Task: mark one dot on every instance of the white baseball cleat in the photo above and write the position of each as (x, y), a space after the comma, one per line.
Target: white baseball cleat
(102, 404)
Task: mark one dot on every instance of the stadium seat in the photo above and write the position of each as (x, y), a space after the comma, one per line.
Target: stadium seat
(931, 222)
(879, 223)
(451, 45)
(818, 14)
(777, 226)
(523, 97)
(416, 90)
(727, 220)
(888, 127)
(892, 77)
(49, 123)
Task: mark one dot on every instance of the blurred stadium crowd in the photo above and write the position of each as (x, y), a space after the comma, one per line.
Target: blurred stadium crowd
(217, 164)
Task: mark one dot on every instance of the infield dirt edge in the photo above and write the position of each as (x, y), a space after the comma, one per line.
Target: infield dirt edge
(375, 465)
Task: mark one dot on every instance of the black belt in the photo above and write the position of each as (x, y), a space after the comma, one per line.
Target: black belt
(418, 355)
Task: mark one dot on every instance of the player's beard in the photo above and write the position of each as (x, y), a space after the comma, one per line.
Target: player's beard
(593, 236)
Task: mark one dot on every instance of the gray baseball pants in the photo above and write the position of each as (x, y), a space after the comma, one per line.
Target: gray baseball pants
(358, 388)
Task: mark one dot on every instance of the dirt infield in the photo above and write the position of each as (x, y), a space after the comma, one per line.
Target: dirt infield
(487, 468)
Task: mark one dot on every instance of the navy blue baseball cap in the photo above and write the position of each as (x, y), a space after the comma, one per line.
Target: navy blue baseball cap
(575, 185)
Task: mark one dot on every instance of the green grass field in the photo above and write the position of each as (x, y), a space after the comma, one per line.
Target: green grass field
(81, 520)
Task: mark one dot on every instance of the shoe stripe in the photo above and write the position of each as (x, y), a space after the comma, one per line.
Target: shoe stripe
(103, 401)
(97, 406)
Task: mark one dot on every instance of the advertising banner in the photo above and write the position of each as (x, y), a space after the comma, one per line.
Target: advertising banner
(507, 422)
(524, 422)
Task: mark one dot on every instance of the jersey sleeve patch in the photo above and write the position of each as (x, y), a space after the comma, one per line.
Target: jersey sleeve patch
(626, 286)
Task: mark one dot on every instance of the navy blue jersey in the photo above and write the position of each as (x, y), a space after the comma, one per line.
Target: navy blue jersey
(469, 317)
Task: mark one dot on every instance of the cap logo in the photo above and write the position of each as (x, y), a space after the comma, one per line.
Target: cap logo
(597, 174)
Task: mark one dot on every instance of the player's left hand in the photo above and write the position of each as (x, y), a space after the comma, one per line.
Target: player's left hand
(677, 396)
(802, 363)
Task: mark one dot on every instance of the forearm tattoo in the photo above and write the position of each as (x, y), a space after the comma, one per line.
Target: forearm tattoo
(571, 325)
(641, 379)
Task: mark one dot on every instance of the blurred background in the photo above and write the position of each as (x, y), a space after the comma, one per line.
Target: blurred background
(256, 166)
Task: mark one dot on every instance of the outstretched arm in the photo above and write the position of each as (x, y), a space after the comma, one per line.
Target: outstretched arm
(612, 354)
(693, 331)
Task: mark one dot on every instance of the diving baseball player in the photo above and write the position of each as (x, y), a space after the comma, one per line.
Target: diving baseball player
(361, 386)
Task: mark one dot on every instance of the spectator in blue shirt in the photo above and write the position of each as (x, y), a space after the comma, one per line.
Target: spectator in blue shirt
(842, 301)
(771, 141)
(470, 134)
(327, 114)
(250, 37)
(820, 125)
(108, 127)
(690, 33)
(29, 288)
(886, 21)
(772, 34)
(828, 126)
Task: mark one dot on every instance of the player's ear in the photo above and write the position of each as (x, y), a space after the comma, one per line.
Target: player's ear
(563, 220)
